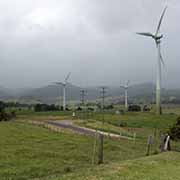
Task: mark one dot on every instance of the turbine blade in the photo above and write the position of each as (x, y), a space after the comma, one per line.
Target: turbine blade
(160, 21)
(145, 34)
(67, 76)
(161, 58)
(59, 83)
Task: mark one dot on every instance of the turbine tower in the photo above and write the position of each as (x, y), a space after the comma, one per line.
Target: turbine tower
(64, 89)
(126, 93)
(157, 37)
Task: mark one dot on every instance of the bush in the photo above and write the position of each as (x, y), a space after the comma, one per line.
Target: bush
(79, 109)
(2, 106)
(90, 109)
(3, 115)
(134, 108)
(174, 131)
(45, 107)
(121, 112)
(123, 124)
(146, 108)
(118, 123)
(6, 116)
(109, 107)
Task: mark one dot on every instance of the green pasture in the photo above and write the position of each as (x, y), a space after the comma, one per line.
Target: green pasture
(29, 152)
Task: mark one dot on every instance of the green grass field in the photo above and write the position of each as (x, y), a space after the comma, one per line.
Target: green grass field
(165, 166)
(29, 152)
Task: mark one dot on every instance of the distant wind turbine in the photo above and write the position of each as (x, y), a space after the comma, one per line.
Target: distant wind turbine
(125, 87)
(157, 38)
(64, 89)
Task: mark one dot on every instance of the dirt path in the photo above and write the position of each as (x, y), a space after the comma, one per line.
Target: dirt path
(68, 124)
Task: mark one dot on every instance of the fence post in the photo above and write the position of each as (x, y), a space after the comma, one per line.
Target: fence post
(94, 148)
(162, 142)
(134, 137)
(100, 151)
(149, 143)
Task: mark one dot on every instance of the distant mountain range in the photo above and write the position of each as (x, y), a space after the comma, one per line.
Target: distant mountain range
(53, 94)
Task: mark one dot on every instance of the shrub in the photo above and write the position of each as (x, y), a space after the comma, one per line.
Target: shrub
(121, 112)
(79, 109)
(2, 106)
(123, 124)
(45, 107)
(109, 107)
(175, 130)
(6, 116)
(67, 169)
(90, 109)
(134, 108)
(146, 108)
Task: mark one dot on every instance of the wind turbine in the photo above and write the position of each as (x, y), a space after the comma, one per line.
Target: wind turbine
(125, 87)
(157, 38)
(64, 89)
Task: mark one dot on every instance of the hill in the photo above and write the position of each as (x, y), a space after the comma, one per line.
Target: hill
(5, 93)
(144, 93)
(53, 93)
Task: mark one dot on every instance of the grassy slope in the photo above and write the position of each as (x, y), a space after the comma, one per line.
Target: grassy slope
(139, 119)
(165, 166)
(29, 152)
(143, 124)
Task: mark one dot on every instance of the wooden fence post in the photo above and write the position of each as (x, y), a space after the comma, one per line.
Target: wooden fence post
(94, 148)
(100, 151)
(162, 142)
(149, 143)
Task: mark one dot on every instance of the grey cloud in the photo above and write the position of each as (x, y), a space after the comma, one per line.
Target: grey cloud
(43, 40)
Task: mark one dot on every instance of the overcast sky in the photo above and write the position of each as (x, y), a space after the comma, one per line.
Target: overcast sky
(42, 40)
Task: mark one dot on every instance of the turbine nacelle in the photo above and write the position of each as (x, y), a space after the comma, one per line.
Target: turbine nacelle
(65, 81)
(158, 37)
(126, 86)
(154, 36)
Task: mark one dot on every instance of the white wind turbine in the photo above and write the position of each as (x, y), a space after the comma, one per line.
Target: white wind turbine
(64, 89)
(125, 87)
(157, 38)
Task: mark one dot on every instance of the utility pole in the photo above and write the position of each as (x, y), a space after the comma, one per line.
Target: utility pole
(83, 94)
(101, 137)
(103, 95)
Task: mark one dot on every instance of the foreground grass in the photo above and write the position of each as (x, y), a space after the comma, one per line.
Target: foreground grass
(165, 166)
(29, 152)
